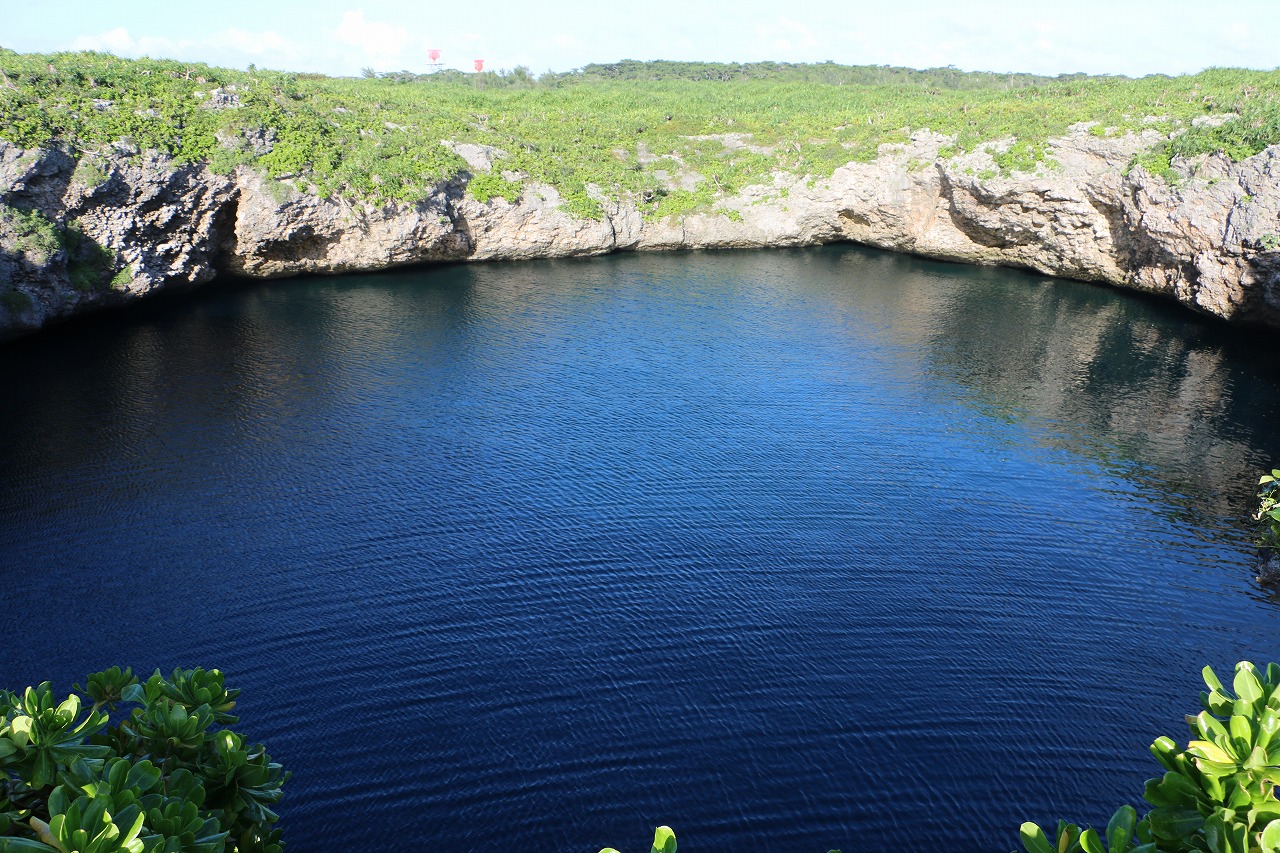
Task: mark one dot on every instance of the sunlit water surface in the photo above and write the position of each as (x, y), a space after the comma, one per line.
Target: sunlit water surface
(790, 550)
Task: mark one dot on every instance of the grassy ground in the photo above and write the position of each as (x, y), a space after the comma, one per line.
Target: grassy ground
(606, 130)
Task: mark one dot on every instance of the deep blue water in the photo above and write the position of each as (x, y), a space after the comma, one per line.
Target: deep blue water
(790, 550)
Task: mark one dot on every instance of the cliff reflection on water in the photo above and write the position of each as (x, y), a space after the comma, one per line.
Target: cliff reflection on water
(1150, 392)
(507, 543)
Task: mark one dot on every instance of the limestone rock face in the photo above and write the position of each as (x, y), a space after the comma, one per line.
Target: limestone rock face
(140, 222)
(1210, 242)
(534, 227)
(162, 220)
(274, 230)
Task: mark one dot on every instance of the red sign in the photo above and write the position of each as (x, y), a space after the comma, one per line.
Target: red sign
(479, 64)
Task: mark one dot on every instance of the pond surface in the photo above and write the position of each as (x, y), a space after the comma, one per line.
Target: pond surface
(790, 550)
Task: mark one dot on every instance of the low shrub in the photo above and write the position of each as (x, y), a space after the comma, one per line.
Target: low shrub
(664, 841)
(89, 173)
(164, 778)
(90, 265)
(487, 185)
(15, 300)
(1268, 514)
(606, 131)
(1218, 795)
(1255, 126)
(36, 235)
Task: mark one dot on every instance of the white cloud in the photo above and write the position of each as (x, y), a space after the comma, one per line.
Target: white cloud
(786, 35)
(123, 43)
(265, 44)
(354, 44)
(117, 40)
(373, 39)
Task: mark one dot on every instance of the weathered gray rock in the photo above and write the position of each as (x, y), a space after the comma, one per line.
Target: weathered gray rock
(478, 157)
(161, 220)
(223, 99)
(274, 230)
(1209, 240)
(149, 224)
(534, 227)
(256, 140)
(1269, 571)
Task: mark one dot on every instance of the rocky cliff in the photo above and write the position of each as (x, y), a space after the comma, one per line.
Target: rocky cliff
(77, 236)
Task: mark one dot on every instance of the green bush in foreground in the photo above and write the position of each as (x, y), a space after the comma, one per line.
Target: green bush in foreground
(1268, 514)
(1218, 795)
(664, 841)
(165, 778)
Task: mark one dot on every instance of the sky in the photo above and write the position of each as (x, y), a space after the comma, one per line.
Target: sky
(341, 37)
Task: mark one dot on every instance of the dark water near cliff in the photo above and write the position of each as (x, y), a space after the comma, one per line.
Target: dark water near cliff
(790, 550)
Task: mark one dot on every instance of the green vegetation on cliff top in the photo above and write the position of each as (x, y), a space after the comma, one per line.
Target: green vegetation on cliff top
(607, 130)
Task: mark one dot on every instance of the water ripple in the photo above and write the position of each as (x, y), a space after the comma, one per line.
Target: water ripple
(791, 550)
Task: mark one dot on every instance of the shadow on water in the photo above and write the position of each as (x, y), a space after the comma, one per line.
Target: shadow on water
(122, 385)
